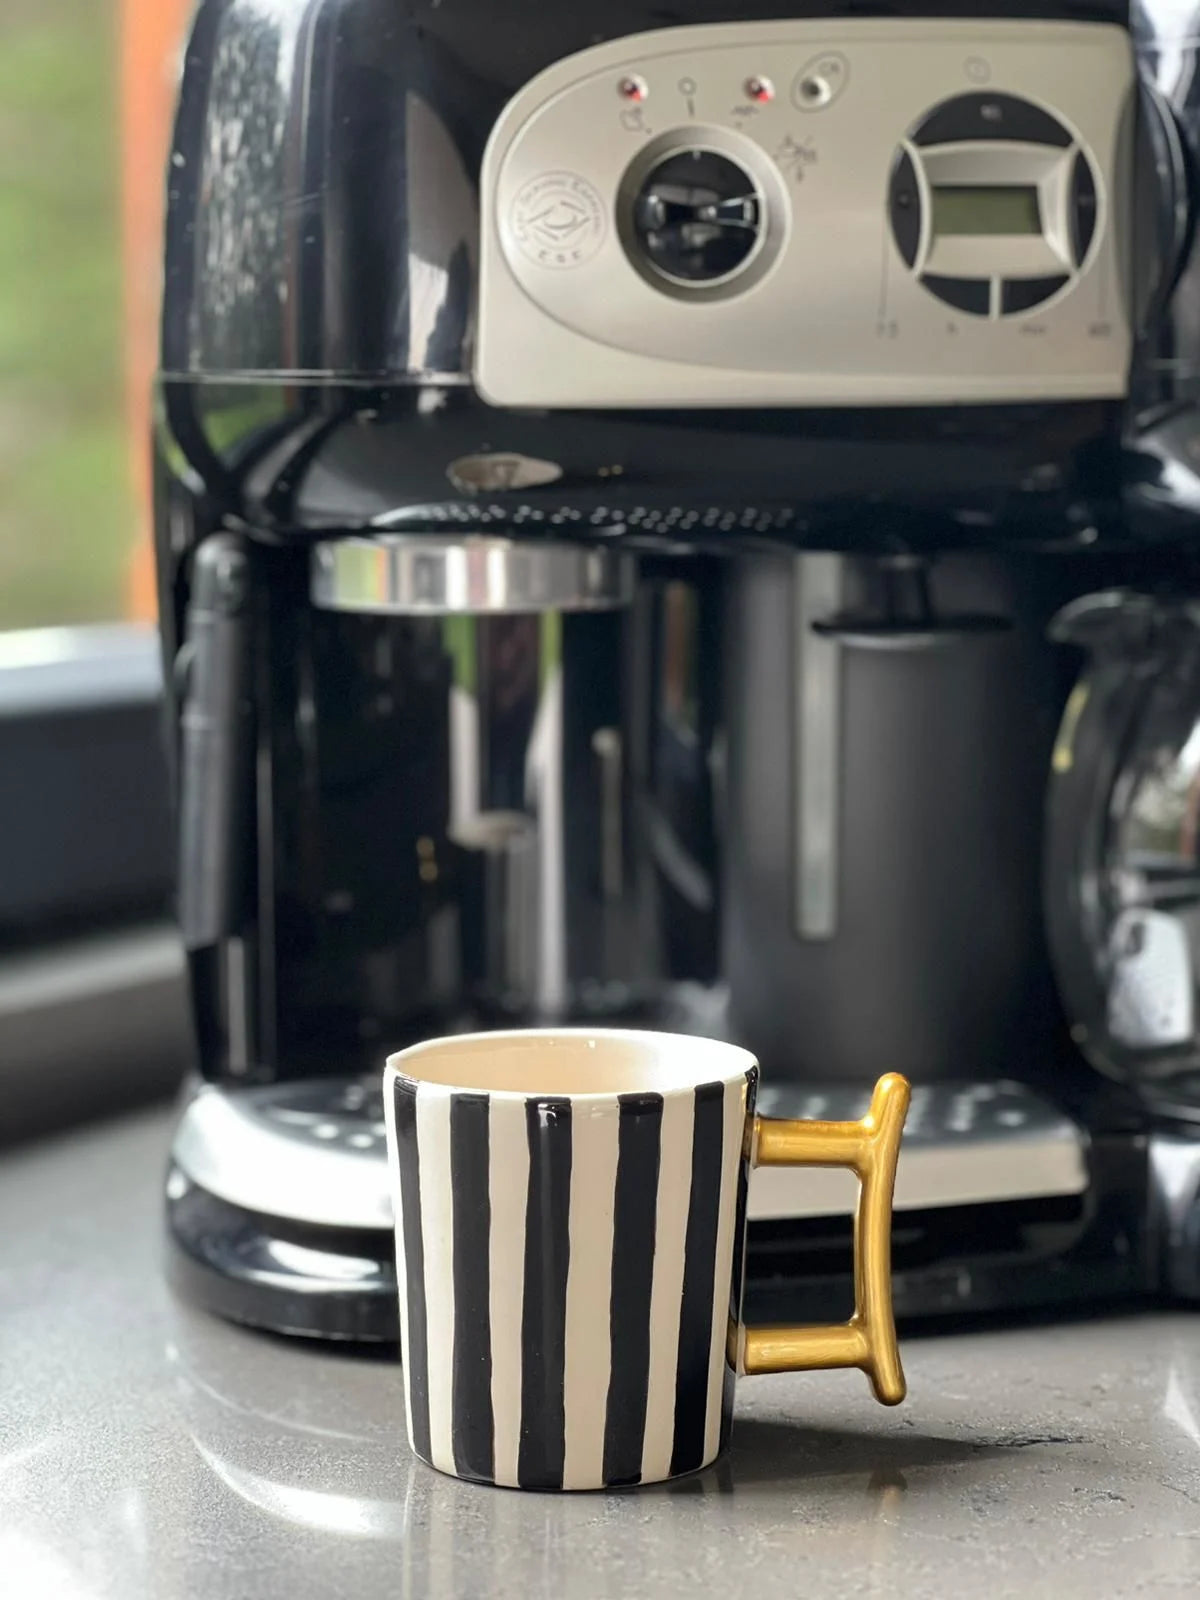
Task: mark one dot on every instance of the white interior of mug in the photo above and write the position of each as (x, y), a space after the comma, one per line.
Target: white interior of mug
(575, 1062)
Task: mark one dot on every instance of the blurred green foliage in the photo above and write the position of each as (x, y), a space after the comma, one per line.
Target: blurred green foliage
(66, 509)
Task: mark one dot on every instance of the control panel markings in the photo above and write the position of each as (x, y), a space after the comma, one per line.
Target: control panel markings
(743, 225)
(883, 276)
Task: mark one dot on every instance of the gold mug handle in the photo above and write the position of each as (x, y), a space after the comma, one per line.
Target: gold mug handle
(870, 1149)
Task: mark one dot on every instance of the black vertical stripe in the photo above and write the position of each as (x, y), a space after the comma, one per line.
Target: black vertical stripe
(472, 1427)
(737, 1280)
(635, 1205)
(699, 1274)
(414, 1264)
(544, 1318)
(728, 1385)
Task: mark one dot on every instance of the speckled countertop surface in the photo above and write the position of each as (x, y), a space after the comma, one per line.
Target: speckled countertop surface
(147, 1451)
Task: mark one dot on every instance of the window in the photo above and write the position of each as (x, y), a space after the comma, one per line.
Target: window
(86, 953)
(65, 505)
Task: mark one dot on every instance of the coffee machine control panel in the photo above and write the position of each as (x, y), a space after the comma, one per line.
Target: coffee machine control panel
(813, 213)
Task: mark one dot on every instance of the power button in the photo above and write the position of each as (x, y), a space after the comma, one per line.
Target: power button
(820, 81)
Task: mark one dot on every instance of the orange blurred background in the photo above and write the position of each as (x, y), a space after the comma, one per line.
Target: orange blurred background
(152, 35)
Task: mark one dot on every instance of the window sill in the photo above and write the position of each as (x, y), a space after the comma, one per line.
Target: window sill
(85, 830)
(91, 1027)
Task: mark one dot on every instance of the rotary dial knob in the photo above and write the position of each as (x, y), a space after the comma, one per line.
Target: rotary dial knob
(697, 218)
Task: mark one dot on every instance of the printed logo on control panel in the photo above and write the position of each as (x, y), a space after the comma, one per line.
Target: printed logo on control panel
(557, 220)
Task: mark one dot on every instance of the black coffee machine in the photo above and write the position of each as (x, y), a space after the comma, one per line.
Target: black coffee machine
(617, 470)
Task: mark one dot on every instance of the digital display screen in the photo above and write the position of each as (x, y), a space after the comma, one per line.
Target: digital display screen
(986, 209)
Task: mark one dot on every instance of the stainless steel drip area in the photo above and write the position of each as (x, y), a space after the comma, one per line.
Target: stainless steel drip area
(524, 915)
(426, 575)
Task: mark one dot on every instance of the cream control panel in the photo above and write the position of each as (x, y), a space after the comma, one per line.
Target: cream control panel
(813, 213)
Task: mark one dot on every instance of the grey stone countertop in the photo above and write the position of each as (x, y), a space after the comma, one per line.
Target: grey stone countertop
(148, 1451)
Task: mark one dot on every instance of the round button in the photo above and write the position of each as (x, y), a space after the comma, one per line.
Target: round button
(820, 81)
(697, 217)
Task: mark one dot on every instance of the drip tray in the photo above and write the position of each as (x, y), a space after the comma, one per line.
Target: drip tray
(279, 1201)
(964, 1144)
(312, 1151)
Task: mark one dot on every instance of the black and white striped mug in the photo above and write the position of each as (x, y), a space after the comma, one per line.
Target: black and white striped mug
(570, 1240)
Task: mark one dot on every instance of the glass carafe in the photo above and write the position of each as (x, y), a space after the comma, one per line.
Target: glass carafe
(1123, 844)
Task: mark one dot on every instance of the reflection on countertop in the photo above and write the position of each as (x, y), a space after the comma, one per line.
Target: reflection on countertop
(148, 1451)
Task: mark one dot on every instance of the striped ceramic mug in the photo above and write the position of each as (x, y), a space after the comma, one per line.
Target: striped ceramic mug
(570, 1229)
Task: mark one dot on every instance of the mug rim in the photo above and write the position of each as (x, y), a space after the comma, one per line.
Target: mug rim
(738, 1062)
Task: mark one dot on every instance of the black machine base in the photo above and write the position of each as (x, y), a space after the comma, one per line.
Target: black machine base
(281, 1276)
(321, 1284)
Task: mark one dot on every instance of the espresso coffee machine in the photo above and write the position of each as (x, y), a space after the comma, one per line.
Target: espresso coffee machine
(617, 470)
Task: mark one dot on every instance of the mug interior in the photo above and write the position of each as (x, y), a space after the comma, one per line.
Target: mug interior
(576, 1062)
